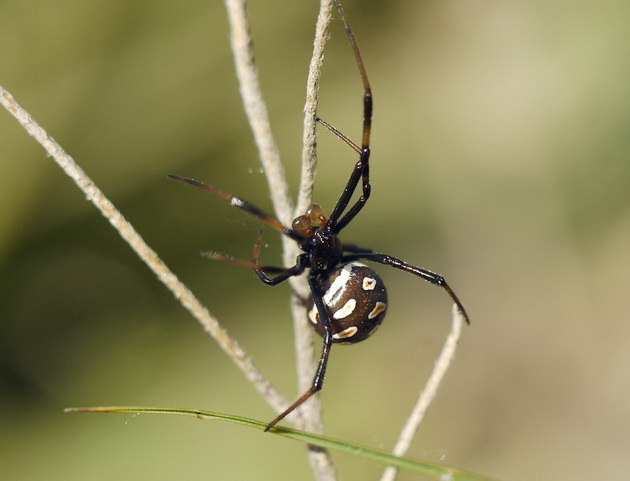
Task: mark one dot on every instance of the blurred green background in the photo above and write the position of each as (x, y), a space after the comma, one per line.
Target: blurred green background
(500, 159)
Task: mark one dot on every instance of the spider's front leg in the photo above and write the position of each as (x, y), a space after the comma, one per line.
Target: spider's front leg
(361, 171)
(362, 167)
(318, 379)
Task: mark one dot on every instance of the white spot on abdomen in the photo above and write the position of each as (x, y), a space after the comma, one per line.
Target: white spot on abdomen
(380, 307)
(346, 310)
(369, 284)
(351, 331)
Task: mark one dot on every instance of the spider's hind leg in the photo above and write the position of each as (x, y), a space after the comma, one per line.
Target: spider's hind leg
(318, 379)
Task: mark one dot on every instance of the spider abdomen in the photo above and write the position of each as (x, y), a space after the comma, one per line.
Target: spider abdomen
(356, 300)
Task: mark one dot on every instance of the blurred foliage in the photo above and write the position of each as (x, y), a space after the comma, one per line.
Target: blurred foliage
(500, 159)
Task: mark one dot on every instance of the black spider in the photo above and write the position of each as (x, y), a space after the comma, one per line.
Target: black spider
(348, 300)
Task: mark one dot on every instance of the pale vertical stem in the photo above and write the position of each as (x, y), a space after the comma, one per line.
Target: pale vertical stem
(428, 393)
(256, 109)
(148, 256)
(303, 338)
(309, 152)
(320, 460)
(242, 46)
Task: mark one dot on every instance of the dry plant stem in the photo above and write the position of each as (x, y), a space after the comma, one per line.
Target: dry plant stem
(303, 332)
(243, 51)
(242, 46)
(256, 109)
(428, 393)
(320, 460)
(309, 152)
(128, 233)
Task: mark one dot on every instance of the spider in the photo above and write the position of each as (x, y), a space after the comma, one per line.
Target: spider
(348, 300)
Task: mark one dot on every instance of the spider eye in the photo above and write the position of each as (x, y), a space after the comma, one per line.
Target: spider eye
(302, 225)
(316, 215)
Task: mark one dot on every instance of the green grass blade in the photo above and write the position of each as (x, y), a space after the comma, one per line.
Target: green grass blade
(427, 469)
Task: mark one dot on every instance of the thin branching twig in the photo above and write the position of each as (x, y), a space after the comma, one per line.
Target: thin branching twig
(303, 332)
(320, 460)
(309, 140)
(428, 393)
(255, 108)
(148, 255)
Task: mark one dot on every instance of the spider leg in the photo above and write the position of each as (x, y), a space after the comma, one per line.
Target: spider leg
(318, 379)
(301, 263)
(362, 167)
(343, 137)
(283, 273)
(428, 276)
(361, 171)
(296, 270)
(244, 205)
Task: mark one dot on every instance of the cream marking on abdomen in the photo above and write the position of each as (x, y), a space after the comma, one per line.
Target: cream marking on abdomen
(380, 307)
(336, 288)
(346, 310)
(351, 331)
(369, 284)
